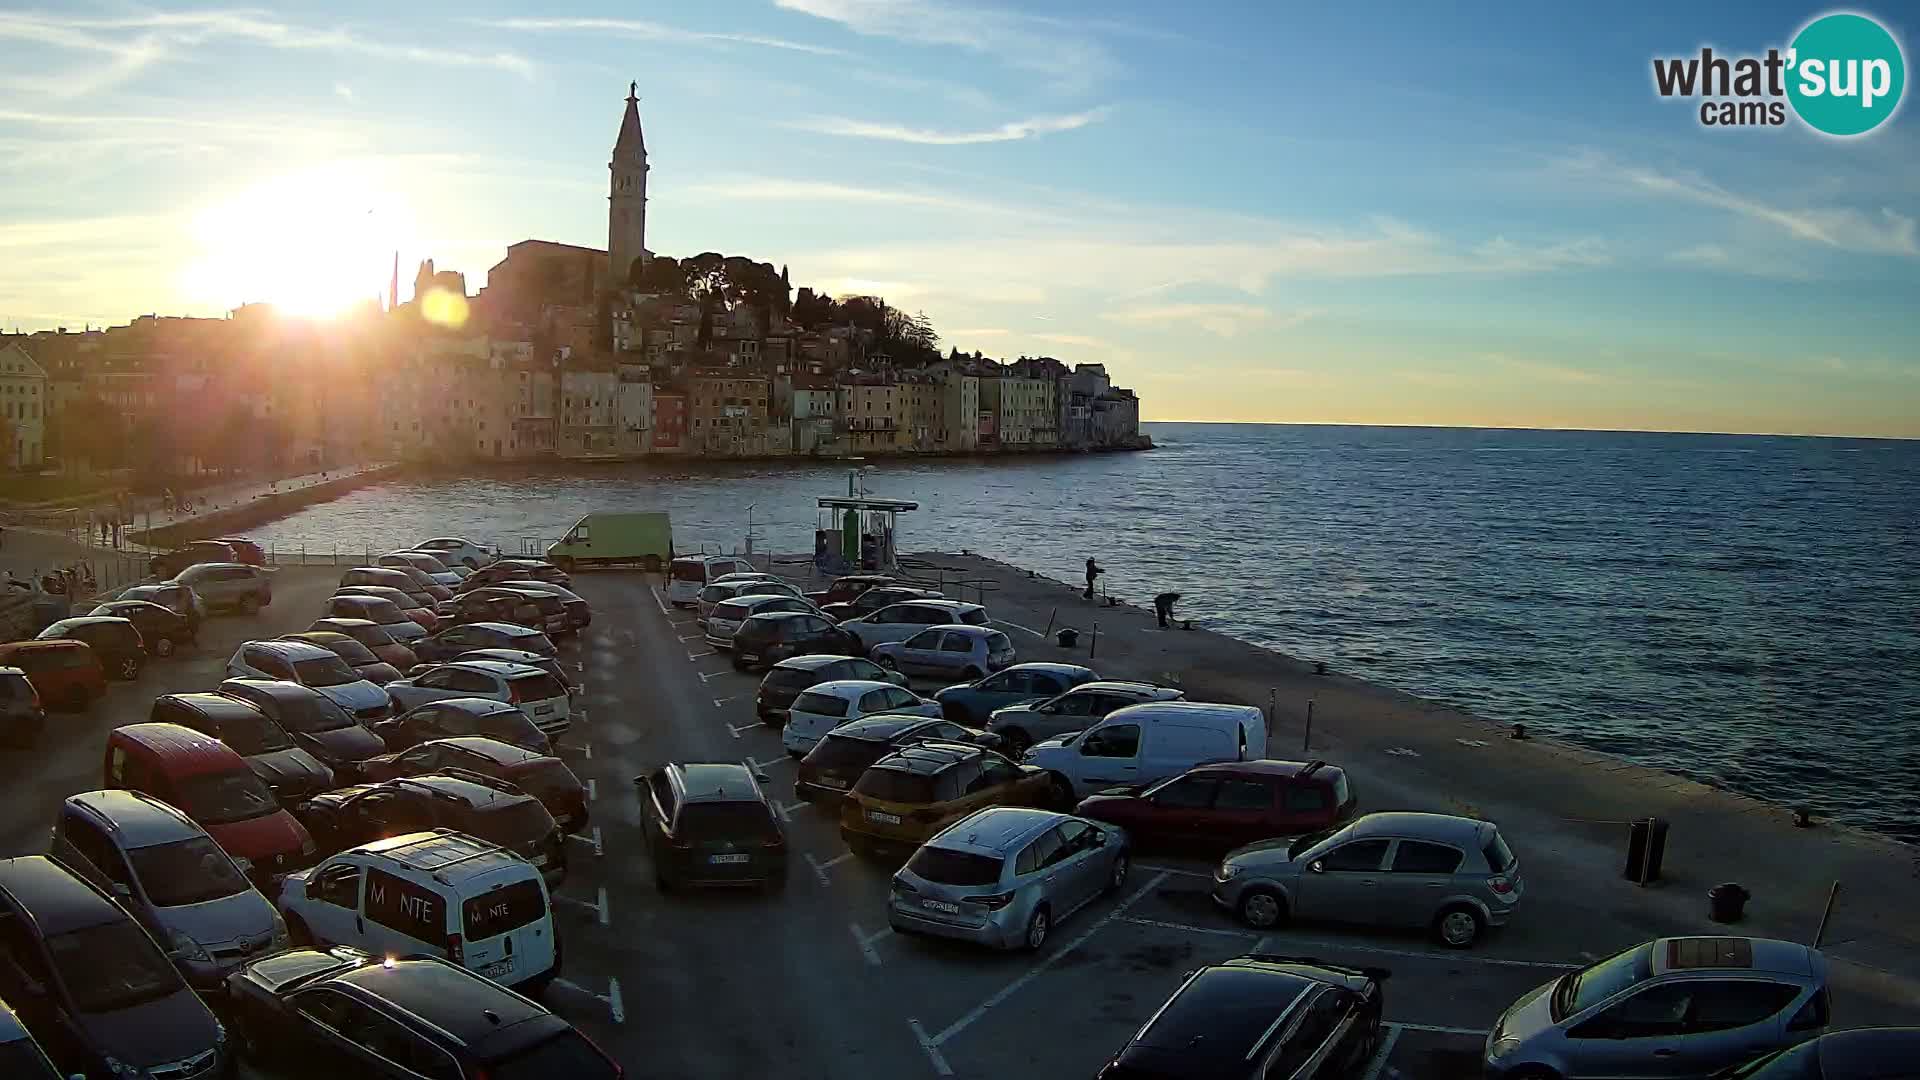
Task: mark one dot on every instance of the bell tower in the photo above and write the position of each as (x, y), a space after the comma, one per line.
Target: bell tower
(627, 196)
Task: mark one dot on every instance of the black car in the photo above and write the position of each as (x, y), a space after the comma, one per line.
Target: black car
(788, 679)
(488, 606)
(1859, 1054)
(122, 652)
(343, 1012)
(292, 774)
(162, 629)
(452, 717)
(175, 597)
(467, 637)
(316, 723)
(711, 824)
(91, 985)
(837, 760)
(1259, 1016)
(539, 570)
(876, 598)
(492, 574)
(169, 564)
(765, 640)
(493, 810)
(22, 717)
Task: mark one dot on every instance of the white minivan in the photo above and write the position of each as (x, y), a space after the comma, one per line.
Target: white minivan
(1140, 744)
(438, 893)
(687, 575)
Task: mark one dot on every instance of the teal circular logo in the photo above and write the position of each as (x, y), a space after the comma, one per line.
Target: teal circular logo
(1846, 75)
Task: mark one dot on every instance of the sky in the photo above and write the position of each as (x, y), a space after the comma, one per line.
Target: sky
(1365, 213)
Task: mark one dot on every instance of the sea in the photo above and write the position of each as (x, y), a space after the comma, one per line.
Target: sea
(1742, 610)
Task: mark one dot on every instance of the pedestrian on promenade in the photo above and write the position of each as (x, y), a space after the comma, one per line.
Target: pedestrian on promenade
(1163, 607)
(1093, 571)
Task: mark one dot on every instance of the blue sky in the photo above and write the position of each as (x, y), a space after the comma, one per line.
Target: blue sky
(1364, 213)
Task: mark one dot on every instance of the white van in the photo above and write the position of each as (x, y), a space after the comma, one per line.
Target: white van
(687, 575)
(438, 893)
(1139, 744)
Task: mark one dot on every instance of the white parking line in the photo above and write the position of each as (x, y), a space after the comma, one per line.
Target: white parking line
(1479, 1032)
(593, 791)
(693, 637)
(662, 601)
(709, 676)
(591, 838)
(1263, 943)
(1017, 626)
(820, 868)
(721, 702)
(614, 1004)
(698, 655)
(1219, 931)
(1381, 1055)
(606, 910)
(1175, 870)
(865, 941)
(933, 1052)
(786, 809)
(587, 750)
(756, 764)
(735, 731)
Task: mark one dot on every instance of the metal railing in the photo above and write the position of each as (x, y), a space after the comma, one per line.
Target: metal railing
(299, 551)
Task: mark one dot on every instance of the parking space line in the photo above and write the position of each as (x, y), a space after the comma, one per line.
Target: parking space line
(586, 749)
(720, 702)
(661, 600)
(933, 1052)
(1263, 943)
(1381, 1055)
(1017, 626)
(615, 1005)
(756, 764)
(735, 731)
(591, 838)
(1175, 870)
(865, 941)
(709, 676)
(1440, 1029)
(820, 868)
(698, 655)
(1216, 930)
(593, 790)
(786, 809)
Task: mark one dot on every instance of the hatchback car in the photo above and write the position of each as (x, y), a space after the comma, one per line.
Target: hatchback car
(711, 823)
(1859, 1054)
(453, 549)
(898, 622)
(451, 717)
(171, 877)
(315, 722)
(541, 696)
(101, 995)
(417, 607)
(542, 776)
(364, 661)
(1672, 1007)
(727, 616)
(1259, 1017)
(770, 637)
(734, 586)
(467, 637)
(245, 550)
(579, 613)
(1215, 807)
(344, 1013)
(493, 810)
(313, 667)
(493, 575)
(22, 717)
(488, 605)
(548, 664)
(175, 597)
(876, 598)
(121, 650)
(1075, 710)
(973, 702)
(289, 772)
(1005, 877)
(947, 652)
(540, 570)
(162, 630)
(435, 570)
(537, 610)
(1452, 875)
(233, 585)
(66, 674)
(830, 769)
(437, 562)
(847, 587)
(436, 590)
(167, 564)
(786, 680)
(824, 706)
(921, 788)
(360, 578)
(350, 608)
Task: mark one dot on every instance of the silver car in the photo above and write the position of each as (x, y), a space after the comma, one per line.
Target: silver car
(243, 588)
(1006, 876)
(1672, 1007)
(952, 651)
(737, 585)
(172, 878)
(1453, 875)
(726, 616)
(1076, 710)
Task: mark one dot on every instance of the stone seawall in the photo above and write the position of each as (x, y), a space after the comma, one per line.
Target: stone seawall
(259, 510)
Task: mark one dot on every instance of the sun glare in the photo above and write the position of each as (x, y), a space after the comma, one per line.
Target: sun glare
(311, 243)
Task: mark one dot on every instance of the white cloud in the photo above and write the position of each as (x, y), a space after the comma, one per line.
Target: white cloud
(342, 90)
(1012, 131)
(1061, 51)
(642, 30)
(1223, 320)
(1544, 371)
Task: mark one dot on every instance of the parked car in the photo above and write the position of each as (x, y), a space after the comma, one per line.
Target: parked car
(22, 717)
(427, 1010)
(876, 598)
(727, 615)
(1074, 709)
(161, 630)
(547, 664)
(20, 1053)
(579, 613)
(540, 570)
(1454, 876)
(493, 810)
(493, 575)
(786, 679)
(1218, 807)
(169, 564)
(1004, 877)
(452, 549)
(434, 893)
(364, 661)
(947, 652)
(534, 692)
(973, 702)
(733, 586)
(236, 586)
(745, 575)
(490, 605)
(436, 571)
(847, 587)
(898, 622)
(315, 722)
(175, 597)
(412, 605)
(99, 994)
(711, 824)
(543, 776)
(118, 644)
(289, 772)
(372, 635)
(467, 637)
(172, 878)
(1866, 1053)
(437, 563)
(1260, 1017)
(921, 788)
(315, 668)
(553, 616)
(768, 637)
(1143, 743)
(689, 574)
(436, 590)
(345, 609)
(245, 550)
(463, 716)
(66, 674)
(830, 769)
(1679, 1006)
(631, 538)
(824, 706)
(211, 784)
(384, 577)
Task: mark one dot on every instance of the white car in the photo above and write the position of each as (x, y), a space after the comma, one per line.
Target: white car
(740, 585)
(313, 667)
(452, 549)
(825, 706)
(727, 616)
(898, 622)
(691, 573)
(429, 565)
(538, 694)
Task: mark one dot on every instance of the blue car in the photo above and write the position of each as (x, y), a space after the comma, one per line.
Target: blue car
(971, 703)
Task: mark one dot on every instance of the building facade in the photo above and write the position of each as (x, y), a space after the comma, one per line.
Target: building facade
(23, 399)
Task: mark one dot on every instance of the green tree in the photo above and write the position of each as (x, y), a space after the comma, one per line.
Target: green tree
(660, 274)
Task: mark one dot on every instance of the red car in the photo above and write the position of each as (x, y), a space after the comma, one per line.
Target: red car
(1219, 807)
(212, 784)
(245, 550)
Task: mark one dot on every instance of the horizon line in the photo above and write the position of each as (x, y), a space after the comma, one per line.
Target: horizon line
(1525, 427)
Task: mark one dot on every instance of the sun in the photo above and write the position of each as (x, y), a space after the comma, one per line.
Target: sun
(310, 243)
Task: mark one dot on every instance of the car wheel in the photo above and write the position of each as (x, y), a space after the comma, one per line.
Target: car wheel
(298, 931)
(130, 668)
(738, 664)
(1017, 741)
(1060, 791)
(1038, 926)
(1262, 909)
(1458, 927)
(888, 663)
(973, 674)
(163, 647)
(1117, 877)
(249, 604)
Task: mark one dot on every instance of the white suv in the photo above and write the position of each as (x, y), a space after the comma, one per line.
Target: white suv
(541, 696)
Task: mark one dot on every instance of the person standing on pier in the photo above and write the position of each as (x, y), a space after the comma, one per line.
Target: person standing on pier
(1093, 571)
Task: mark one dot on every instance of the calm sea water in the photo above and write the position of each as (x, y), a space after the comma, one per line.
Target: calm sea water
(1744, 610)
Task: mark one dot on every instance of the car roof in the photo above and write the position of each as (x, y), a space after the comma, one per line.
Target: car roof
(443, 853)
(717, 782)
(273, 688)
(55, 898)
(1447, 827)
(508, 629)
(847, 688)
(1267, 767)
(344, 620)
(1123, 686)
(776, 616)
(135, 603)
(315, 637)
(197, 567)
(507, 656)
(451, 998)
(498, 668)
(810, 662)
(1732, 953)
(493, 749)
(1869, 1053)
(966, 628)
(292, 650)
(950, 605)
(879, 727)
(472, 792)
(479, 706)
(195, 752)
(1070, 670)
(136, 819)
(995, 830)
(9, 647)
(90, 620)
(1224, 1017)
(927, 758)
(216, 706)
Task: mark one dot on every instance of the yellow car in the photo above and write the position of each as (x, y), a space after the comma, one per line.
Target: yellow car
(918, 790)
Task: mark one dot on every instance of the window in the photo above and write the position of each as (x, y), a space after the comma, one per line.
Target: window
(399, 904)
(1416, 857)
(1038, 854)
(925, 640)
(1244, 795)
(663, 793)
(1116, 741)
(956, 643)
(1187, 793)
(1321, 1018)
(1075, 837)
(1813, 1015)
(999, 772)
(1720, 1004)
(874, 701)
(339, 885)
(1652, 1013)
(1361, 855)
(1306, 798)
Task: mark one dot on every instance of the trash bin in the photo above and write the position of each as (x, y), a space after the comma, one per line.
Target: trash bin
(1727, 902)
(1068, 636)
(1646, 849)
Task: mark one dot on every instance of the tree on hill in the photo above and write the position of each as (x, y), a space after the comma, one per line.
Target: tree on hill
(661, 274)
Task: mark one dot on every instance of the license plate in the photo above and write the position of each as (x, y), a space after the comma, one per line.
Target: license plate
(833, 782)
(538, 860)
(542, 710)
(941, 905)
(498, 969)
(727, 860)
(883, 817)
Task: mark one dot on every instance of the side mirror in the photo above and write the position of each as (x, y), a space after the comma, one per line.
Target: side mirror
(1317, 866)
(121, 890)
(1099, 838)
(763, 778)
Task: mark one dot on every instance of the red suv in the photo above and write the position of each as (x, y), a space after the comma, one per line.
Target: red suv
(211, 784)
(1220, 807)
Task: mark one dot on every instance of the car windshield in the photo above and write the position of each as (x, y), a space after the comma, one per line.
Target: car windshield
(514, 822)
(944, 867)
(839, 751)
(567, 1054)
(1590, 986)
(117, 964)
(351, 651)
(22, 1058)
(975, 617)
(820, 704)
(1302, 843)
(732, 611)
(191, 871)
(314, 712)
(384, 612)
(254, 735)
(790, 678)
(331, 671)
(220, 798)
(895, 785)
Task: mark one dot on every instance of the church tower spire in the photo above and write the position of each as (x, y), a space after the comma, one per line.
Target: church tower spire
(627, 198)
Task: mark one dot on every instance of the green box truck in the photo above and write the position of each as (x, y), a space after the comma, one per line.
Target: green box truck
(644, 540)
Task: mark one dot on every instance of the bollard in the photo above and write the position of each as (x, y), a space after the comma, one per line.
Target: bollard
(1820, 934)
(1095, 643)
(1306, 737)
(1054, 614)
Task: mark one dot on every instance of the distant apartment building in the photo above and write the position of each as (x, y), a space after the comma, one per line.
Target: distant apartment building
(918, 403)
(869, 417)
(812, 406)
(589, 400)
(23, 397)
(669, 422)
(728, 411)
(958, 429)
(633, 411)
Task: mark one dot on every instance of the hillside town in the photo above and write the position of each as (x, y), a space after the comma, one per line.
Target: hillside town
(566, 352)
